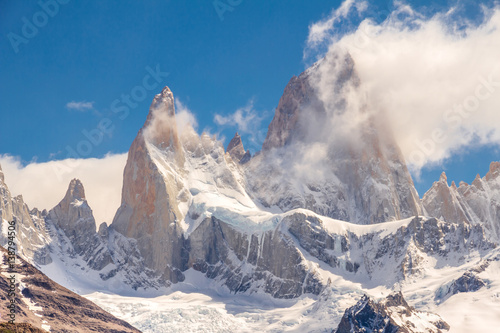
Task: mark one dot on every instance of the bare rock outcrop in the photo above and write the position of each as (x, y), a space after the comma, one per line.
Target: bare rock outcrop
(391, 315)
(477, 203)
(445, 202)
(149, 211)
(236, 151)
(74, 217)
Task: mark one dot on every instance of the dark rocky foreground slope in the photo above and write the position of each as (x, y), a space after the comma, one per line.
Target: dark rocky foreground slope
(40, 303)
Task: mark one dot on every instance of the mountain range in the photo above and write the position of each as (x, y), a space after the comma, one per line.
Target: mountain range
(327, 203)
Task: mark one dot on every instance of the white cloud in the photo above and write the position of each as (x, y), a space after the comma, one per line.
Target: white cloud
(436, 79)
(247, 121)
(43, 185)
(323, 31)
(184, 118)
(80, 106)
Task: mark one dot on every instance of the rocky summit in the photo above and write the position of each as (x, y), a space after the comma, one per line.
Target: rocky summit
(391, 315)
(236, 151)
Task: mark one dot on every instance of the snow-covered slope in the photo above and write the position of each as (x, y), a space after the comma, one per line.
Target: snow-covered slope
(199, 304)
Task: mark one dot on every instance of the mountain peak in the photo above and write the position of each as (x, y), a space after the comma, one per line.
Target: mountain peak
(494, 170)
(237, 151)
(74, 216)
(163, 102)
(150, 199)
(302, 106)
(165, 91)
(160, 127)
(75, 191)
(1, 174)
(235, 147)
(235, 141)
(443, 177)
(478, 182)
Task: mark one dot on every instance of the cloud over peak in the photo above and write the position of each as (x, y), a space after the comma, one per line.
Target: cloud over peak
(436, 78)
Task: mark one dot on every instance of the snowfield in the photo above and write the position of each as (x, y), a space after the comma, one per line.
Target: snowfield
(198, 305)
(202, 305)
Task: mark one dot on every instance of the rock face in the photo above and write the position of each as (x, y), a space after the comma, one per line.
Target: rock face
(251, 262)
(301, 104)
(165, 210)
(20, 328)
(72, 239)
(262, 260)
(328, 153)
(149, 212)
(42, 303)
(373, 252)
(74, 217)
(468, 282)
(236, 151)
(445, 202)
(478, 203)
(391, 315)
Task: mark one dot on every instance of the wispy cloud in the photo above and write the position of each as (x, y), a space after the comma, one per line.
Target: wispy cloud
(80, 106)
(248, 121)
(184, 117)
(322, 33)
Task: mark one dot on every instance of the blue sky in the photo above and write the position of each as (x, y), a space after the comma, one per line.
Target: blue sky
(64, 79)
